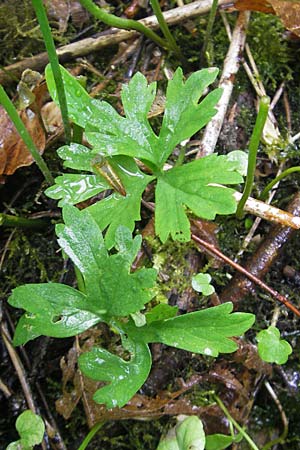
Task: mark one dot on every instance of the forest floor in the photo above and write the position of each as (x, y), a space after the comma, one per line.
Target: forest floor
(262, 397)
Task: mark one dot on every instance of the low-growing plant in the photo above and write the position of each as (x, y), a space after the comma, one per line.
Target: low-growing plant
(31, 429)
(111, 293)
(129, 143)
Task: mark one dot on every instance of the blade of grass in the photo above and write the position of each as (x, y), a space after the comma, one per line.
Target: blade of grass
(53, 58)
(206, 49)
(272, 183)
(24, 134)
(164, 27)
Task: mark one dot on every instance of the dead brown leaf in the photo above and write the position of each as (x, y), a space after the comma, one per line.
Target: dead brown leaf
(254, 5)
(287, 10)
(289, 13)
(13, 151)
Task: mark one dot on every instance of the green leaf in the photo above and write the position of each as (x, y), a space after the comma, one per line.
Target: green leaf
(60, 311)
(190, 434)
(239, 161)
(271, 348)
(82, 108)
(201, 283)
(82, 241)
(207, 331)
(184, 116)
(112, 134)
(72, 188)
(77, 156)
(124, 377)
(193, 185)
(220, 441)
(187, 435)
(31, 428)
(116, 209)
(161, 312)
(52, 309)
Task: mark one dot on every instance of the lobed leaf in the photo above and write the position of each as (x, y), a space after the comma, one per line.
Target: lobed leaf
(82, 241)
(52, 309)
(193, 186)
(201, 283)
(124, 377)
(208, 331)
(184, 116)
(271, 348)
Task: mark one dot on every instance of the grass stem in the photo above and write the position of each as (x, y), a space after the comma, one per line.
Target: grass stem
(272, 183)
(53, 58)
(164, 27)
(90, 435)
(253, 147)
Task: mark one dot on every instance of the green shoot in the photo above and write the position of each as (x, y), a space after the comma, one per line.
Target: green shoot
(164, 28)
(276, 180)
(253, 147)
(50, 47)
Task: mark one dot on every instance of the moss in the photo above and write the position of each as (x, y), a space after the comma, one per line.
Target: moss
(19, 32)
(270, 49)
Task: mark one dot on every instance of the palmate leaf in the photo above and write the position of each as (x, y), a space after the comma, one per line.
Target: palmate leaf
(192, 185)
(132, 135)
(124, 377)
(184, 116)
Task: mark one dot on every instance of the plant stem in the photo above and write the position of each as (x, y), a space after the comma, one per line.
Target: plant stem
(50, 47)
(24, 134)
(272, 183)
(90, 435)
(253, 147)
(207, 39)
(119, 22)
(237, 426)
(7, 220)
(164, 27)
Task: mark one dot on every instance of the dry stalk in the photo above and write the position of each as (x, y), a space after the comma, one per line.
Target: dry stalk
(231, 67)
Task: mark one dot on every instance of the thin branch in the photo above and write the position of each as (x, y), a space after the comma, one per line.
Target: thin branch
(231, 67)
(282, 437)
(268, 212)
(249, 275)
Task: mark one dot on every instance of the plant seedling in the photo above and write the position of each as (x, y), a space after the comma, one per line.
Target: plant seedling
(58, 310)
(31, 429)
(125, 142)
